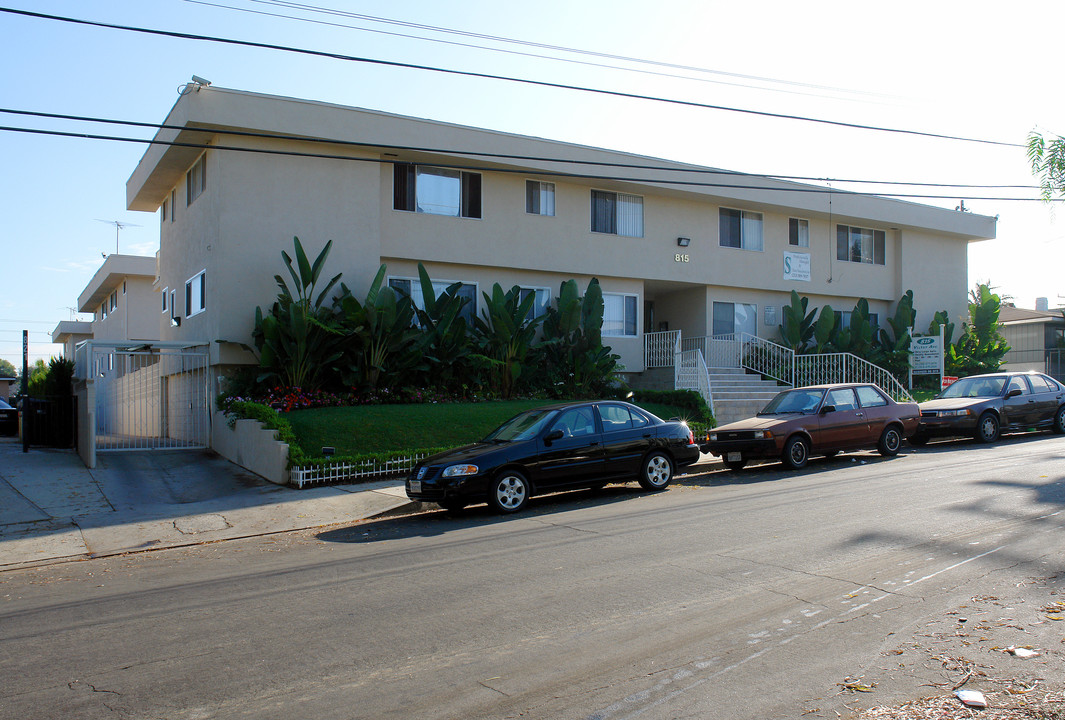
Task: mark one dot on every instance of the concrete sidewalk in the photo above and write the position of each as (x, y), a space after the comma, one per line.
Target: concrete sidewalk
(53, 508)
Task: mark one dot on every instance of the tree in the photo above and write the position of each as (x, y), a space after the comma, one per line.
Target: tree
(7, 370)
(1047, 158)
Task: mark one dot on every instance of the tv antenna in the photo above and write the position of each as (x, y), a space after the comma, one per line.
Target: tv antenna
(119, 226)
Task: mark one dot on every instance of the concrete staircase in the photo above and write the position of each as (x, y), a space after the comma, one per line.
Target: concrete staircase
(738, 394)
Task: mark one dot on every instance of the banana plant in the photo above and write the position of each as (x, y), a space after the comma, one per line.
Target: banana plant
(298, 339)
(445, 346)
(506, 333)
(798, 326)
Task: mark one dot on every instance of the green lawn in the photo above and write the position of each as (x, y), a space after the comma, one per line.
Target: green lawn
(386, 428)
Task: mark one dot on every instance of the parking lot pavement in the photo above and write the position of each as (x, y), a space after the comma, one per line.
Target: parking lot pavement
(52, 508)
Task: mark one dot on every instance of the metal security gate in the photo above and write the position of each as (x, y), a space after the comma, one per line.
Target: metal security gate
(149, 397)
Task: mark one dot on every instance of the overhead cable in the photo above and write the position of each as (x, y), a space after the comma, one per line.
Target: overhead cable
(488, 76)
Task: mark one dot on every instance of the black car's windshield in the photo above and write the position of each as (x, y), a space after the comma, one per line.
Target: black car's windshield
(521, 427)
(974, 387)
(794, 401)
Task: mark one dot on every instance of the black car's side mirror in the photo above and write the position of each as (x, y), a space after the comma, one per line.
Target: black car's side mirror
(554, 435)
(1013, 393)
(827, 409)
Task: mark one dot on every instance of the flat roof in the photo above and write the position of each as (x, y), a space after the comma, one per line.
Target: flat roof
(202, 115)
(114, 269)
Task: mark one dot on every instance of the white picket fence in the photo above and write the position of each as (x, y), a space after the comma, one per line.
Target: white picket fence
(347, 472)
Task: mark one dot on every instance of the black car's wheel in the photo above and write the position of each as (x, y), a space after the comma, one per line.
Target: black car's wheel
(735, 465)
(796, 452)
(918, 440)
(453, 506)
(656, 471)
(508, 492)
(890, 441)
(987, 428)
(1059, 420)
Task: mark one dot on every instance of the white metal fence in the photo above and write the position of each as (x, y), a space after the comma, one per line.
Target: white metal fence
(660, 348)
(147, 396)
(343, 471)
(692, 374)
(782, 364)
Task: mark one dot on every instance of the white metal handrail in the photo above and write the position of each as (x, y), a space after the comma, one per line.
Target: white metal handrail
(692, 374)
(660, 348)
(827, 368)
(767, 358)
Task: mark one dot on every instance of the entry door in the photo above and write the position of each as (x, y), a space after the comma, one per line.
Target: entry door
(575, 457)
(845, 426)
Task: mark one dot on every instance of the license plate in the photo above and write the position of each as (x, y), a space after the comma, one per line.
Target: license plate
(415, 486)
(734, 457)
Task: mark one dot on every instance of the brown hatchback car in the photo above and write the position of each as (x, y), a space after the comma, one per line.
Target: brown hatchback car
(816, 420)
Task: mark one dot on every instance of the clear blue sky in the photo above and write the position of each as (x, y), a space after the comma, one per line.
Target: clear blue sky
(979, 69)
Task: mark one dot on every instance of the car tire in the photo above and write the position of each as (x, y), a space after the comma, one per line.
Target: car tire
(1059, 420)
(656, 472)
(890, 441)
(796, 452)
(987, 428)
(453, 506)
(919, 440)
(735, 465)
(509, 492)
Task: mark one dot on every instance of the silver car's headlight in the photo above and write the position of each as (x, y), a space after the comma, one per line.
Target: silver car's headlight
(460, 470)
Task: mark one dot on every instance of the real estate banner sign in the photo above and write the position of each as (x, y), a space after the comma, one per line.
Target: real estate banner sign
(927, 358)
(797, 266)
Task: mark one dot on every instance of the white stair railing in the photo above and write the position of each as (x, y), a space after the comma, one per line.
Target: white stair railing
(660, 348)
(767, 358)
(692, 374)
(827, 368)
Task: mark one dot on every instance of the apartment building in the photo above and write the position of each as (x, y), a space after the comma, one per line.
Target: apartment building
(235, 175)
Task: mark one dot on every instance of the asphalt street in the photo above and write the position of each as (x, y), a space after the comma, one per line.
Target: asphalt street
(751, 595)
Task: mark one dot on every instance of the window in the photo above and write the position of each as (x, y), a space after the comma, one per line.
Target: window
(166, 296)
(114, 300)
(413, 289)
(619, 315)
(870, 397)
(860, 245)
(162, 217)
(173, 204)
(543, 298)
(842, 399)
(1018, 383)
(618, 417)
(436, 191)
(799, 232)
(103, 310)
(617, 213)
(740, 229)
(735, 318)
(539, 197)
(1039, 384)
(576, 422)
(195, 180)
(196, 294)
(843, 319)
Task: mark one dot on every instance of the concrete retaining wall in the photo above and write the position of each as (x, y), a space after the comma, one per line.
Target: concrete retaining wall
(252, 447)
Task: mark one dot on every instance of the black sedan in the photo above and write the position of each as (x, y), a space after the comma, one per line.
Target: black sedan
(982, 406)
(8, 419)
(556, 447)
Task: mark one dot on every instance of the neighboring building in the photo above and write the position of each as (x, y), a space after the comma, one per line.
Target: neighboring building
(8, 387)
(1036, 339)
(122, 299)
(69, 333)
(703, 260)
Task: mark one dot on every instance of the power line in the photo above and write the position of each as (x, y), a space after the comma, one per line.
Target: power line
(510, 156)
(526, 43)
(523, 171)
(488, 76)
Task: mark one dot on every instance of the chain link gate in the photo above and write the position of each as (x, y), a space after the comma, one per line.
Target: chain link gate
(150, 397)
